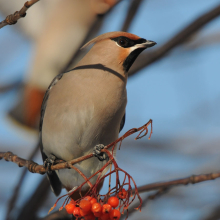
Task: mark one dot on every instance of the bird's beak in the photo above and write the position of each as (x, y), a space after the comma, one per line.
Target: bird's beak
(149, 43)
(146, 44)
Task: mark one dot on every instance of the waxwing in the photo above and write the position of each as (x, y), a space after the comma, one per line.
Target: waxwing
(85, 107)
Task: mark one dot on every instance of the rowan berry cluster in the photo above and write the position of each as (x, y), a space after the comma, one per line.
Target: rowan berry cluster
(89, 208)
(102, 207)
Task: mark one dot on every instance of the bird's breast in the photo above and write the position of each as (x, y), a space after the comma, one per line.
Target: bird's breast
(82, 112)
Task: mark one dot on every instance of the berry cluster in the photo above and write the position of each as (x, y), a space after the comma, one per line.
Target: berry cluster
(89, 208)
(102, 207)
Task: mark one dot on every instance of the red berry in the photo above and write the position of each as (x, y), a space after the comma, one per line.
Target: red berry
(76, 212)
(85, 205)
(114, 214)
(88, 198)
(93, 200)
(113, 201)
(82, 213)
(106, 208)
(72, 202)
(69, 208)
(96, 208)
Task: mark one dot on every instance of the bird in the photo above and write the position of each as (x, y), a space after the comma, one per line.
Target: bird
(84, 108)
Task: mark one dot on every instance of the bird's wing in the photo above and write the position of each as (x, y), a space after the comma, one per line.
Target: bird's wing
(46, 96)
(122, 123)
(55, 183)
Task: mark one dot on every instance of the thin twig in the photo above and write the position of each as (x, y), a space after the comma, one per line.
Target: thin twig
(82, 174)
(147, 58)
(58, 215)
(163, 187)
(13, 18)
(133, 8)
(215, 213)
(16, 192)
(158, 193)
(33, 204)
(36, 168)
(184, 181)
(13, 85)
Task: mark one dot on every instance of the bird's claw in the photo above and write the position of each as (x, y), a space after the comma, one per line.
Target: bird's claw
(48, 162)
(97, 152)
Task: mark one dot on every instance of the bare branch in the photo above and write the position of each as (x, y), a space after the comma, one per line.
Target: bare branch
(184, 181)
(31, 207)
(163, 187)
(13, 85)
(147, 58)
(133, 8)
(16, 192)
(215, 214)
(59, 215)
(13, 18)
(36, 168)
(158, 193)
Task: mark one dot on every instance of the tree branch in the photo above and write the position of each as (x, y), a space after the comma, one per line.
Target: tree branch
(184, 181)
(14, 197)
(163, 187)
(13, 85)
(36, 168)
(158, 193)
(13, 18)
(215, 214)
(150, 57)
(59, 215)
(133, 8)
(33, 204)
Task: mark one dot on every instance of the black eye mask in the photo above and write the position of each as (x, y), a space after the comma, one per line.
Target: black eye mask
(126, 42)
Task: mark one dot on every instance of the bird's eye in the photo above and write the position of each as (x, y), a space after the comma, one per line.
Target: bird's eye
(122, 42)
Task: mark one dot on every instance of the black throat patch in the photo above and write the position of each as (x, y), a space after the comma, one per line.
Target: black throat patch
(131, 58)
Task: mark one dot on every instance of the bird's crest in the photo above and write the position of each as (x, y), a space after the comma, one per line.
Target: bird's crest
(111, 35)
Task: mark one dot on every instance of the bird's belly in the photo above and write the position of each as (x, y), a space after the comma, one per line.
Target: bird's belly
(78, 141)
(77, 135)
(85, 131)
(80, 123)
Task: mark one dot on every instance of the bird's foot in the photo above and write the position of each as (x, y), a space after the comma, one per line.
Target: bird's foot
(49, 161)
(97, 152)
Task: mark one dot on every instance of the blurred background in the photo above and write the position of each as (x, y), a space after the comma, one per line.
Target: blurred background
(179, 89)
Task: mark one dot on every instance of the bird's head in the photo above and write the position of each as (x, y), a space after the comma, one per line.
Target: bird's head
(117, 50)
